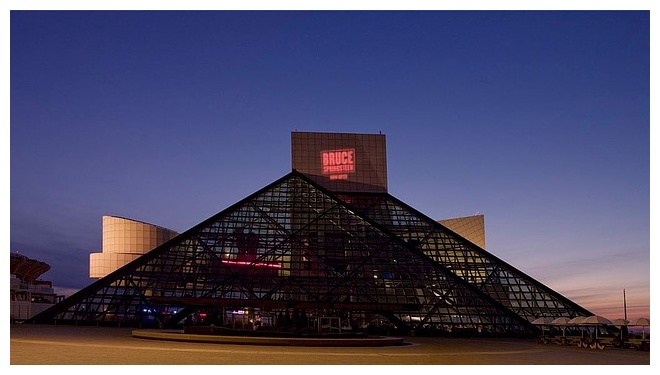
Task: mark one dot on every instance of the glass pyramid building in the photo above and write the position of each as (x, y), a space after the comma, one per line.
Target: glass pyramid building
(308, 245)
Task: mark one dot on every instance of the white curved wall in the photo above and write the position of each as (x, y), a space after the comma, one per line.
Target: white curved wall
(471, 228)
(125, 240)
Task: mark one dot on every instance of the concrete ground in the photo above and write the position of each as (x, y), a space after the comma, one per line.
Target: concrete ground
(69, 345)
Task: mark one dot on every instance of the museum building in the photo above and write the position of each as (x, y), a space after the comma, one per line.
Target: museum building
(325, 246)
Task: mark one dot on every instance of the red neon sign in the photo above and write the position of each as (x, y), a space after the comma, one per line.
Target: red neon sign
(338, 163)
(258, 264)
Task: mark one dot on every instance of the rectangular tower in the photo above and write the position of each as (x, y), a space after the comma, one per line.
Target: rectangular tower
(341, 162)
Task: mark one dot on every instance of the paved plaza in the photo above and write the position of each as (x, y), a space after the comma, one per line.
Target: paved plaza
(70, 345)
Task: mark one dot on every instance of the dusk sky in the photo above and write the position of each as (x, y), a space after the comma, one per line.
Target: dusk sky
(538, 119)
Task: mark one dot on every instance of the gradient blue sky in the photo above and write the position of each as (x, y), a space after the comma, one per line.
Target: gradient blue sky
(539, 120)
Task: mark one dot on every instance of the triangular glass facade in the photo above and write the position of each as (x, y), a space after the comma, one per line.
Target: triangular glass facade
(364, 258)
(520, 293)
